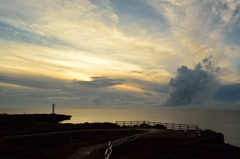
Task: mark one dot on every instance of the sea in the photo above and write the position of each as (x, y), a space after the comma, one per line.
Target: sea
(226, 122)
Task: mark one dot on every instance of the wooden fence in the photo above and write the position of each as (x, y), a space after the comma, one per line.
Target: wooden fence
(170, 126)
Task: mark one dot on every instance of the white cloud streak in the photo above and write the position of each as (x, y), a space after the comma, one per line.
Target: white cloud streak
(80, 39)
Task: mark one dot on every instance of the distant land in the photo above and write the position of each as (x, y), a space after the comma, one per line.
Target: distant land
(8, 121)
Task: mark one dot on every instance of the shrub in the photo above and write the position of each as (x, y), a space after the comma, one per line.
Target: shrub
(159, 126)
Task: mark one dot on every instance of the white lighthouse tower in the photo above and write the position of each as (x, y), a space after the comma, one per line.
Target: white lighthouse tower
(53, 108)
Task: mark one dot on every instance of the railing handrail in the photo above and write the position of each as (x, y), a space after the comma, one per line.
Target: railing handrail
(170, 126)
(108, 151)
(125, 139)
(155, 123)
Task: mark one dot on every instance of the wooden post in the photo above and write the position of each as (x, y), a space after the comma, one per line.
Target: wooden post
(166, 126)
(173, 126)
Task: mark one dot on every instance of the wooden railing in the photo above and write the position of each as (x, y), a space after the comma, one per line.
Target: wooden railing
(117, 142)
(170, 126)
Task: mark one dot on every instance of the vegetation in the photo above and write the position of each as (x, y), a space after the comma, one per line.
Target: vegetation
(30, 120)
(44, 137)
(57, 145)
(172, 146)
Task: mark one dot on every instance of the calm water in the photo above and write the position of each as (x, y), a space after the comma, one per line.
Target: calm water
(224, 121)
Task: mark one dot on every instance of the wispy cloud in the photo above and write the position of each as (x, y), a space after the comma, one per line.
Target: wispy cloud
(99, 82)
(126, 47)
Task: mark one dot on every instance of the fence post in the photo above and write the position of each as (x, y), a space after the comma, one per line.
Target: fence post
(173, 126)
(130, 123)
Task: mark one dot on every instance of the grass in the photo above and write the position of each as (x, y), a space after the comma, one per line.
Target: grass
(97, 153)
(60, 145)
(177, 147)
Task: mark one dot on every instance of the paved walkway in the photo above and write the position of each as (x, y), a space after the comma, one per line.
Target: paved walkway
(83, 152)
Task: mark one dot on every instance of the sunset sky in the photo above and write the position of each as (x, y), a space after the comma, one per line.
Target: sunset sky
(120, 53)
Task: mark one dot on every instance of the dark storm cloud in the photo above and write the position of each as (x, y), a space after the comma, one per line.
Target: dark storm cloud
(228, 93)
(192, 85)
(100, 82)
(207, 59)
(208, 64)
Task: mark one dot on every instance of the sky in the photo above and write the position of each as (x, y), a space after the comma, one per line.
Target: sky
(120, 54)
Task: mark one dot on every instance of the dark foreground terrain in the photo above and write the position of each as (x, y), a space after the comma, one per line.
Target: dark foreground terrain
(40, 136)
(56, 145)
(178, 147)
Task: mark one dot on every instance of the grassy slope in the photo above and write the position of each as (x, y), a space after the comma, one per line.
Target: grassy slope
(53, 146)
(174, 147)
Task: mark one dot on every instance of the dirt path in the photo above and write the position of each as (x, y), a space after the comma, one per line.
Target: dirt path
(83, 152)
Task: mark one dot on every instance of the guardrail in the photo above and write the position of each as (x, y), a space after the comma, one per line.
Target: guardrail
(170, 126)
(117, 142)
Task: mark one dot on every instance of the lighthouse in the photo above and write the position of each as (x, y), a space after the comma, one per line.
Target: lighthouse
(53, 108)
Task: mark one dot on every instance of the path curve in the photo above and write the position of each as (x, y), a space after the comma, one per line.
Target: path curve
(83, 152)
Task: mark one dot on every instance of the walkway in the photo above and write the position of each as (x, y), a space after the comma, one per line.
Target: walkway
(83, 152)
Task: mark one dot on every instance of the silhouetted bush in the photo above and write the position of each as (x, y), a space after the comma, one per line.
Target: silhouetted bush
(135, 126)
(213, 134)
(144, 125)
(159, 126)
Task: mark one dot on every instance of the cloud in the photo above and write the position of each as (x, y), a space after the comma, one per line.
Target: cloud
(96, 100)
(148, 94)
(103, 39)
(192, 86)
(230, 92)
(100, 82)
(42, 82)
(207, 59)
(137, 72)
(122, 101)
(155, 86)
